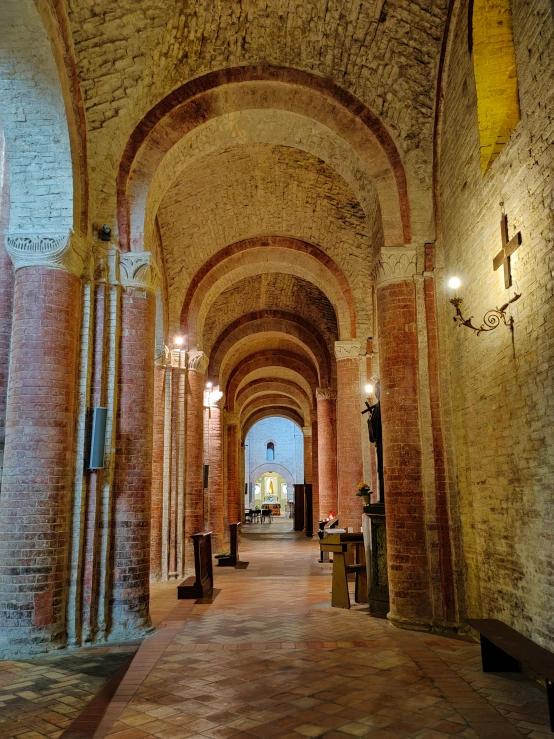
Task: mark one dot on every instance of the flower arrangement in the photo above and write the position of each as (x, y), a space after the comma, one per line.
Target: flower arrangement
(364, 491)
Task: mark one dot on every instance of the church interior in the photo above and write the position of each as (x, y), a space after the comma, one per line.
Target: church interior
(275, 280)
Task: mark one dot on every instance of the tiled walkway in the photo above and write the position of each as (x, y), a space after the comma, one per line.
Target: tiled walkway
(268, 657)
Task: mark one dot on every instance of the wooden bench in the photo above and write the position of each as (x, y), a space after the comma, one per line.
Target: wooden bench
(233, 557)
(339, 545)
(202, 583)
(503, 649)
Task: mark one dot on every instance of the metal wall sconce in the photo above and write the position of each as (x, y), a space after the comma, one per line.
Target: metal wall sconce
(492, 318)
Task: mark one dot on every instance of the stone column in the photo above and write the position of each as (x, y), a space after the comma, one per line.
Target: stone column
(6, 307)
(233, 467)
(194, 492)
(215, 491)
(134, 428)
(349, 438)
(408, 568)
(40, 432)
(327, 451)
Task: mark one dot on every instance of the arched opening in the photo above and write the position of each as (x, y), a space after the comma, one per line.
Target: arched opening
(494, 66)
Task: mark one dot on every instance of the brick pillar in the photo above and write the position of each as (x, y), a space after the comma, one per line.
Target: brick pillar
(40, 431)
(307, 443)
(408, 568)
(194, 492)
(349, 438)
(133, 460)
(156, 512)
(315, 473)
(215, 491)
(233, 468)
(327, 451)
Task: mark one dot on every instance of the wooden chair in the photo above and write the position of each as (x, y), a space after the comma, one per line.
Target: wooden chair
(266, 515)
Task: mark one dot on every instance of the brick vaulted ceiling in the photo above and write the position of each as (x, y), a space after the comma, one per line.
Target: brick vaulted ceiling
(273, 157)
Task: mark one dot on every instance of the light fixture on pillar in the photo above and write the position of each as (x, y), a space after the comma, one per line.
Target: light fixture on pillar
(492, 318)
(369, 389)
(179, 341)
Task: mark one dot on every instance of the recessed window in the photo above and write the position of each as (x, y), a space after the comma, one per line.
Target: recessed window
(270, 452)
(491, 41)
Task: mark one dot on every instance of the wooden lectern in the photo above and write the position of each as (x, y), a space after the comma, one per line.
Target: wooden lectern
(339, 544)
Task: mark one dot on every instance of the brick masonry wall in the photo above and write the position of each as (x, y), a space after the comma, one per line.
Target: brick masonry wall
(133, 476)
(501, 383)
(34, 122)
(38, 462)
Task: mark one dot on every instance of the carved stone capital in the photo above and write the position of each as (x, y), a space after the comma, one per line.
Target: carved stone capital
(350, 349)
(65, 251)
(232, 419)
(162, 356)
(197, 361)
(325, 393)
(307, 430)
(394, 264)
(138, 271)
(178, 359)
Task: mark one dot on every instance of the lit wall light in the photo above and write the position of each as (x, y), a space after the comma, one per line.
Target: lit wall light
(179, 340)
(209, 385)
(369, 389)
(492, 318)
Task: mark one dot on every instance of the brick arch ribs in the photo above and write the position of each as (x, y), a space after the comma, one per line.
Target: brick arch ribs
(191, 105)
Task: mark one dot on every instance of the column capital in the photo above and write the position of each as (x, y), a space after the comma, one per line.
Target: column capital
(325, 393)
(197, 361)
(138, 271)
(232, 419)
(349, 349)
(307, 430)
(64, 250)
(394, 264)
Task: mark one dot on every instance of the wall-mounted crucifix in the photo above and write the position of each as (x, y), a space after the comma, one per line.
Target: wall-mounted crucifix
(508, 248)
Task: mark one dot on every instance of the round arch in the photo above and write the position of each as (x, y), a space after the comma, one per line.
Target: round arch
(261, 255)
(272, 467)
(275, 411)
(250, 87)
(270, 320)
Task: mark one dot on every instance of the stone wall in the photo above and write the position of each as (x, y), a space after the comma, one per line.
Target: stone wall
(502, 399)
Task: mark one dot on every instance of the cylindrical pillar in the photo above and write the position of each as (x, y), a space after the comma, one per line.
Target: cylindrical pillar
(215, 490)
(315, 474)
(233, 468)
(327, 451)
(197, 363)
(133, 461)
(408, 569)
(39, 451)
(350, 463)
(6, 307)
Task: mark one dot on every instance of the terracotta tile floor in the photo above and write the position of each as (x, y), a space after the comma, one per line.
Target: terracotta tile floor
(268, 657)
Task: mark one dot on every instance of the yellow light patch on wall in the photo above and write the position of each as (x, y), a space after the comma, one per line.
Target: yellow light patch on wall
(494, 65)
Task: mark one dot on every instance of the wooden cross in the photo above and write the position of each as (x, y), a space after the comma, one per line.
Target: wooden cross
(508, 248)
